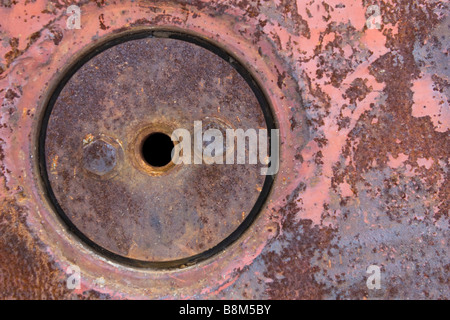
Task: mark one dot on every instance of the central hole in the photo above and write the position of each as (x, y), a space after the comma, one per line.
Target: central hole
(157, 149)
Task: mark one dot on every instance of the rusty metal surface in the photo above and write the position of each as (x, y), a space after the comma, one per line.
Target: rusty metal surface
(125, 93)
(364, 122)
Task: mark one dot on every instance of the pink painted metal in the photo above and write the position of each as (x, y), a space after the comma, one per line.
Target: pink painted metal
(361, 101)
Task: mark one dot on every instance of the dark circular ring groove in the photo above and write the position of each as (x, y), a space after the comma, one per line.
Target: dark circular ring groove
(157, 33)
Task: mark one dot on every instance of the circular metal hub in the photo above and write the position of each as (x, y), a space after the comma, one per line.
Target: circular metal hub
(106, 149)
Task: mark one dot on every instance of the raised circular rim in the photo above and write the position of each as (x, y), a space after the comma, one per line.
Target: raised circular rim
(65, 77)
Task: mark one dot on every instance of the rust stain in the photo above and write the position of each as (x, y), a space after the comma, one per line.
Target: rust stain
(364, 121)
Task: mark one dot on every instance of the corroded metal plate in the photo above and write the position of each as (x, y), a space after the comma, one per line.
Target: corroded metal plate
(106, 107)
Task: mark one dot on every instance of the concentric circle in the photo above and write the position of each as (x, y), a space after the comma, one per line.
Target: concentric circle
(127, 90)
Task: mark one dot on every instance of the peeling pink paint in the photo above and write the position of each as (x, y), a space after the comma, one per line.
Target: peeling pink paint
(346, 190)
(398, 161)
(265, 39)
(423, 162)
(430, 102)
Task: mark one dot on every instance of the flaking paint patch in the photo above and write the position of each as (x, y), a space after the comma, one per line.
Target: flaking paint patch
(390, 206)
(396, 162)
(428, 101)
(424, 162)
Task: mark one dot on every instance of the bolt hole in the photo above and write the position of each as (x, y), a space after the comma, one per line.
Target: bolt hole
(157, 149)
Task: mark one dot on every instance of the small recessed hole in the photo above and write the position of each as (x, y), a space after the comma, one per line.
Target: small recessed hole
(157, 149)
